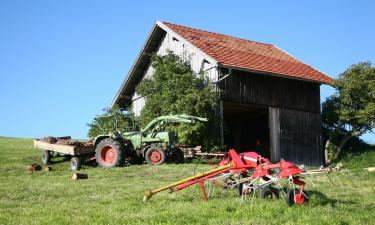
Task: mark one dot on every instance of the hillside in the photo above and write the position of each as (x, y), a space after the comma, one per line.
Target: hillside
(114, 196)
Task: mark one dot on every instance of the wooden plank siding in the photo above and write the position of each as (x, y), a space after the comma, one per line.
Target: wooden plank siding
(300, 137)
(294, 113)
(258, 89)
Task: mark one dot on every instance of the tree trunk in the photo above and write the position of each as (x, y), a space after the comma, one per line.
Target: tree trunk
(326, 159)
(343, 141)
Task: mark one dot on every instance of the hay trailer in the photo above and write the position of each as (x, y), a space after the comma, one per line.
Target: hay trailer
(78, 152)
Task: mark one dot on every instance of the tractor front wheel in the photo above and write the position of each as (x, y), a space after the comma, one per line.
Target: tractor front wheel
(108, 153)
(155, 156)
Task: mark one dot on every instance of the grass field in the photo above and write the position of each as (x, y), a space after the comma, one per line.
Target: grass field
(114, 196)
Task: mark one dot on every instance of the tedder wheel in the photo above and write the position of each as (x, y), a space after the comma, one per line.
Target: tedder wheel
(108, 153)
(239, 189)
(269, 193)
(295, 196)
(75, 163)
(46, 157)
(177, 155)
(155, 156)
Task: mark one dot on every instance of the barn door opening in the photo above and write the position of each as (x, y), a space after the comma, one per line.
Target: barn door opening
(246, 128)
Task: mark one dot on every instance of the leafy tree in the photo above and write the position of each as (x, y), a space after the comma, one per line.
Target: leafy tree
(113, 119)
(175, 89)
(350, 112)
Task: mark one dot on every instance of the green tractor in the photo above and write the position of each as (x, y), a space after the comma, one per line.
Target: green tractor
(152, 143)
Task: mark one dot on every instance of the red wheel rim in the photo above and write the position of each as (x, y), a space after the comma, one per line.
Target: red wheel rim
(155, 156)
(108, 154)
(299, 199)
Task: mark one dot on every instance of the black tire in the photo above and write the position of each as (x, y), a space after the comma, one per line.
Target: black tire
(269, 193)
(155, 156)
(289, 197)
(75, 163)
(108, 153)
(136, 159)
(46, 157)
(177, 155)
(67, 157)
(239, 189)
(128, 149)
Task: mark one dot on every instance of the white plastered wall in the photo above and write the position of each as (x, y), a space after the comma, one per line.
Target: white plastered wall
(197, 60)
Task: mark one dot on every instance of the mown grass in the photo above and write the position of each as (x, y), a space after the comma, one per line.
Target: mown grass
(114, 196)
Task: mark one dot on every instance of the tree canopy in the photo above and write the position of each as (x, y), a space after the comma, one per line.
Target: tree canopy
(113, 119)
(351, 110)
(175, 89)
(356, 96)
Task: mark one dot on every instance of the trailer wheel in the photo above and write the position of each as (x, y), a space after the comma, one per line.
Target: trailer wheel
(108, 153)
(269, 193)
(295, 196)
(46, 157)
(177, 155)
(75, 163)
(155, 156)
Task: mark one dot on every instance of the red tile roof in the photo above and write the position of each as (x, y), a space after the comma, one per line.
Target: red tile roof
(239, 53)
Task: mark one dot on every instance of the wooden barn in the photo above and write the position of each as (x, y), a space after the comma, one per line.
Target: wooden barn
(270, 101)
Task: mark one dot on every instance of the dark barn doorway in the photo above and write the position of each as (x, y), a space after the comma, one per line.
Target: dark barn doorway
(246, 128)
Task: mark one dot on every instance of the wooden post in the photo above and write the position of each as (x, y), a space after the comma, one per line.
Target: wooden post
(221, 122)
(79, 176)
(274, 126)
(32, 167)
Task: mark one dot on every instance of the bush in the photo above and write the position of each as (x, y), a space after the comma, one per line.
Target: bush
(112, 120)
(175, 89)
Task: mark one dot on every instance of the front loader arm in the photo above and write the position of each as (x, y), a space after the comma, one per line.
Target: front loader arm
(163, 120)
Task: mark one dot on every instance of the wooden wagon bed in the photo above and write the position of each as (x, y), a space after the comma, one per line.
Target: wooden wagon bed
(65, 149)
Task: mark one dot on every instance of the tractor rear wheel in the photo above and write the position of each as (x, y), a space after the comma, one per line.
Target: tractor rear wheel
(46, 157)
(108, 153)
(296, 196)
(155, 156)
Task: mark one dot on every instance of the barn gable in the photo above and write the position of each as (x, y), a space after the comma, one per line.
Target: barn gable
(161, 40)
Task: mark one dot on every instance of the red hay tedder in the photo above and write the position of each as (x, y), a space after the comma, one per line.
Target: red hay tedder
(248, 173)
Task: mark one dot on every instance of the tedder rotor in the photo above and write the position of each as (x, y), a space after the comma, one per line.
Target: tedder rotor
(248, 173)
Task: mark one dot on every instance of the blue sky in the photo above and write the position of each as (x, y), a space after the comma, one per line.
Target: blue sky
(62, 62)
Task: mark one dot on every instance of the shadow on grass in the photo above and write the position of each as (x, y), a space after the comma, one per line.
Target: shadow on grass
(322, 199)
(355, 147)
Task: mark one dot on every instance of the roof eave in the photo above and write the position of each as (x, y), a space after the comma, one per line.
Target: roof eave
(131, 71)
(191, 45)
(273, 74)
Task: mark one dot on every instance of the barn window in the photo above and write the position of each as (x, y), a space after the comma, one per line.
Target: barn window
(202, 69)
